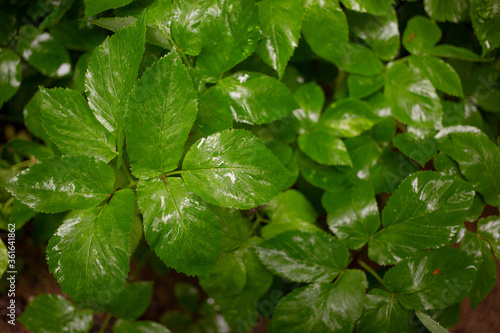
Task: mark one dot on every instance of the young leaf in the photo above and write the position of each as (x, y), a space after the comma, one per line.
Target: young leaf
(160, 114)
(348, 118)
(352, 213)
(280, 22)
(382, 313)
(324, 147)
(303, 256)
(234, 29)
(489, 228)
(381, 33)
(72, 126)
(478, 159)
(256, 98)
(420, 35)
(143, 326)
(111, 75)
(412, 98)
(61, 183)
(93, 7)
(133, 300)
(233, 169)
(432, 279)
(375, 7)
(11, 77)
(43, 52)
(442, 76)
(64, 316)
(485, 17)
(174, 218)
(447, 10)
(322, 307)
(89, 254)
(310, 98)
(425, 211)
(485, 264)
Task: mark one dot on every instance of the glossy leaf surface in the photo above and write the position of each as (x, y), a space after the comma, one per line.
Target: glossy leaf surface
(11, 75)
(324, 148)
(72, 126)
(93, 7)
(420, 35)
(304, 256)
(425, 211)
(64, 315)
(489, 228)
(174, 219)
(375, 7)
(61, 183)
(323, 307)
(233, 169)
(90, 252)
(447, 10)
(432, 279)
(382, 313)
(485, 17)
(163, 105)
(143, 326)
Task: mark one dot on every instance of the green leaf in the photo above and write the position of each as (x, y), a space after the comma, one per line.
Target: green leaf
(64, 316)
(233, 169)
(289, 206)
(310, 98)
(323, 307)
(425, 212)
(93, 7)
(174, 218)
(162, 105)
(442, 76)
(256, 98)
(379, 32)
(188, 18)
(412, 97)
(29, 149)
(61, 183)
(33, 117)
(303, 256)
(90, 252)
(489, 228)
(382, 313)
(188, 296)
(363, 86)
(46, 54)
(143, 326)
(455, 52)
(433, 279)
(111, 75)
(420, 35)
(280, 23)
(324, 147)
(20, 214)
(375, 7)
(453, 113)
(416, 148)
(348, 118)
(133, 300)
(4, 258)
(72, 126)
(352, 213)
(485, 264)
(447, 10)
(214, 113)
(485, 17)
(478, 159)
(235, 227)
(359, 59)
(228, 276)
(11, 77)
(430, 324)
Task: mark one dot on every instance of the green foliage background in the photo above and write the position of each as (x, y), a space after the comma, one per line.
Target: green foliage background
(312, 161)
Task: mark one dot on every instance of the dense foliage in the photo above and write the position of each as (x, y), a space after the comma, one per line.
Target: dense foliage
(330, 166)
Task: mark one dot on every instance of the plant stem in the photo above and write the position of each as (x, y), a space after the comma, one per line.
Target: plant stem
(173, 173)
(105, 323)
(371, 271)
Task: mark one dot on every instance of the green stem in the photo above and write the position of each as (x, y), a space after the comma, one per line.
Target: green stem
(183, 56)
(105, 323)
(8, 202)
(22, 164)
(173, 173)
(371, 271)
